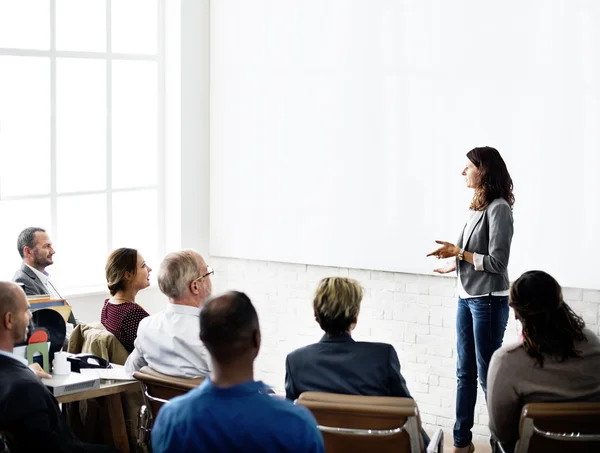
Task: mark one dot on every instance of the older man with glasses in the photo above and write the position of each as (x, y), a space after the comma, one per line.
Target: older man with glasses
(169, 341)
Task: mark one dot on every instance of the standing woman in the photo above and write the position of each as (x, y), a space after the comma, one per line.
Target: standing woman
(482, 254)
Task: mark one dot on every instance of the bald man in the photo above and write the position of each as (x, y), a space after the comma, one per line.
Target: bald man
(28, 411)
(231, 412)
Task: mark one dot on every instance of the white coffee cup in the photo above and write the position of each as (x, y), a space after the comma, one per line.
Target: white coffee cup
(61, 365)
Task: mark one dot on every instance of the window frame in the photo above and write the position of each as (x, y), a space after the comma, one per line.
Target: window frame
(108, 57)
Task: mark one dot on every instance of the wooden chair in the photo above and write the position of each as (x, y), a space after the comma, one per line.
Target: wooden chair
(158, 389)
(559, 427)
(352, 423)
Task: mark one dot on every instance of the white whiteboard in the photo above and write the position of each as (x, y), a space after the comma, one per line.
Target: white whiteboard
(339, 129)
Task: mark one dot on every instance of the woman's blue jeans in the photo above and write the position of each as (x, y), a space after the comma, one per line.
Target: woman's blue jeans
(480, 326)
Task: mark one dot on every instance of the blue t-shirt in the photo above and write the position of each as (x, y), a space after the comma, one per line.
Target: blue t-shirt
(243, 418)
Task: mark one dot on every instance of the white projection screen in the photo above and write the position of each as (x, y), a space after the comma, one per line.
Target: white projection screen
(339, 129)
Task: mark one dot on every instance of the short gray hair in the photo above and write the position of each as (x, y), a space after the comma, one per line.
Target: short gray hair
(27, 239)
(177, 271)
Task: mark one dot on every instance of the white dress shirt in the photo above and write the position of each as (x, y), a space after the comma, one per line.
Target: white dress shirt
(478, 264)
(45, 279)
(169, 342)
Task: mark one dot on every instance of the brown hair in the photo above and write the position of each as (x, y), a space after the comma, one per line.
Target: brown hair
(118, 263)
(549, 325)
(494, 182)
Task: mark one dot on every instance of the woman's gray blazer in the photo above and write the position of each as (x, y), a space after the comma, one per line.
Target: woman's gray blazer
(490, 234)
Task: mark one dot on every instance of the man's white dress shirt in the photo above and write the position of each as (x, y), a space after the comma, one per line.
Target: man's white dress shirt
(169, 342)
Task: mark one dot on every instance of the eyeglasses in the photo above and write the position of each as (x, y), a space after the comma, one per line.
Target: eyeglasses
(209, 271)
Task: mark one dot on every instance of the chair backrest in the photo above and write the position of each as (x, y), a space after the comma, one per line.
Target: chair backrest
(351, 423)
(160, 388)
(560, 427)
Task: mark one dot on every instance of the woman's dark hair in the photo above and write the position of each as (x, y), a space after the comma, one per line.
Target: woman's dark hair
(118, 263)
(550, 327)
(495, 181)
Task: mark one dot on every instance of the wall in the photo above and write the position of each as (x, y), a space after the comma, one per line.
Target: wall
(87, 307)
(195, 107)
(415, 313)
(321, 110)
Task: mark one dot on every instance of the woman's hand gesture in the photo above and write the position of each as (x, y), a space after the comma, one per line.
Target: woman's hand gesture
(447, 250)
(450, 267)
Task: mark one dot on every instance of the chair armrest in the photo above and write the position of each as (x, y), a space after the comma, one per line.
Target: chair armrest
(436, 445)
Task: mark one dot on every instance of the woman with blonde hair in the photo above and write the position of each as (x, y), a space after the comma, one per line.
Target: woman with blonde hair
(126, 274)
(337, 363)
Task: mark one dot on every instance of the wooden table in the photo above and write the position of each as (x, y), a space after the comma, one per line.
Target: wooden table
(111, 393)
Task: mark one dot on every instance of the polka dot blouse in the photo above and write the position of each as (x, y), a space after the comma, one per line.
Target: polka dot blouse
(122, 320)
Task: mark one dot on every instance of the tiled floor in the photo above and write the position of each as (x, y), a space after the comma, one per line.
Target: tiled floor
(480, 447)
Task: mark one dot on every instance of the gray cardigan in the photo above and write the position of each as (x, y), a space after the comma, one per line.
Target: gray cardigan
(490, 235)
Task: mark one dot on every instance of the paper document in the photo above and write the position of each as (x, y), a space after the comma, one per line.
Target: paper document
(112, 374)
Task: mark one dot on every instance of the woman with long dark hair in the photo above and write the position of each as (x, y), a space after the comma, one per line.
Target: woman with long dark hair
(557, 359)
(481, 261)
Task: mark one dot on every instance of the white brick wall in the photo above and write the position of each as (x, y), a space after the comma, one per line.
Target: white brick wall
(415, 313)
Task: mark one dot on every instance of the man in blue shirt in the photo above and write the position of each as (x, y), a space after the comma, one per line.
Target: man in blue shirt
(231, 412)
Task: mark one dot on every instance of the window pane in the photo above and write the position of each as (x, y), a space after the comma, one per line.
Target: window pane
(17, 215)
(25, 24)
(24, 125)
(138, 14)
(81, 241)
(135, 223)
(135, 125)
(81, 25)
(80, 124)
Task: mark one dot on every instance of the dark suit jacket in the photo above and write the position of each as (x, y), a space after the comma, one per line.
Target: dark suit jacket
(342, 365)
(32, 286)
(30, 413)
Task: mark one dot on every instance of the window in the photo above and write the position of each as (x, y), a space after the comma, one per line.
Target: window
(82, 130)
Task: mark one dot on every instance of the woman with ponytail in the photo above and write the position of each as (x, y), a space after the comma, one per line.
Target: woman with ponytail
(557, 358)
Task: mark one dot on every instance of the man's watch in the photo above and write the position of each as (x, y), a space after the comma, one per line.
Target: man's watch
(461, 254)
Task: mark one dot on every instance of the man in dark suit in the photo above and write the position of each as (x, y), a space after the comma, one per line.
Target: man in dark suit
(337, 363)
(35, 247)
(28, 411)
